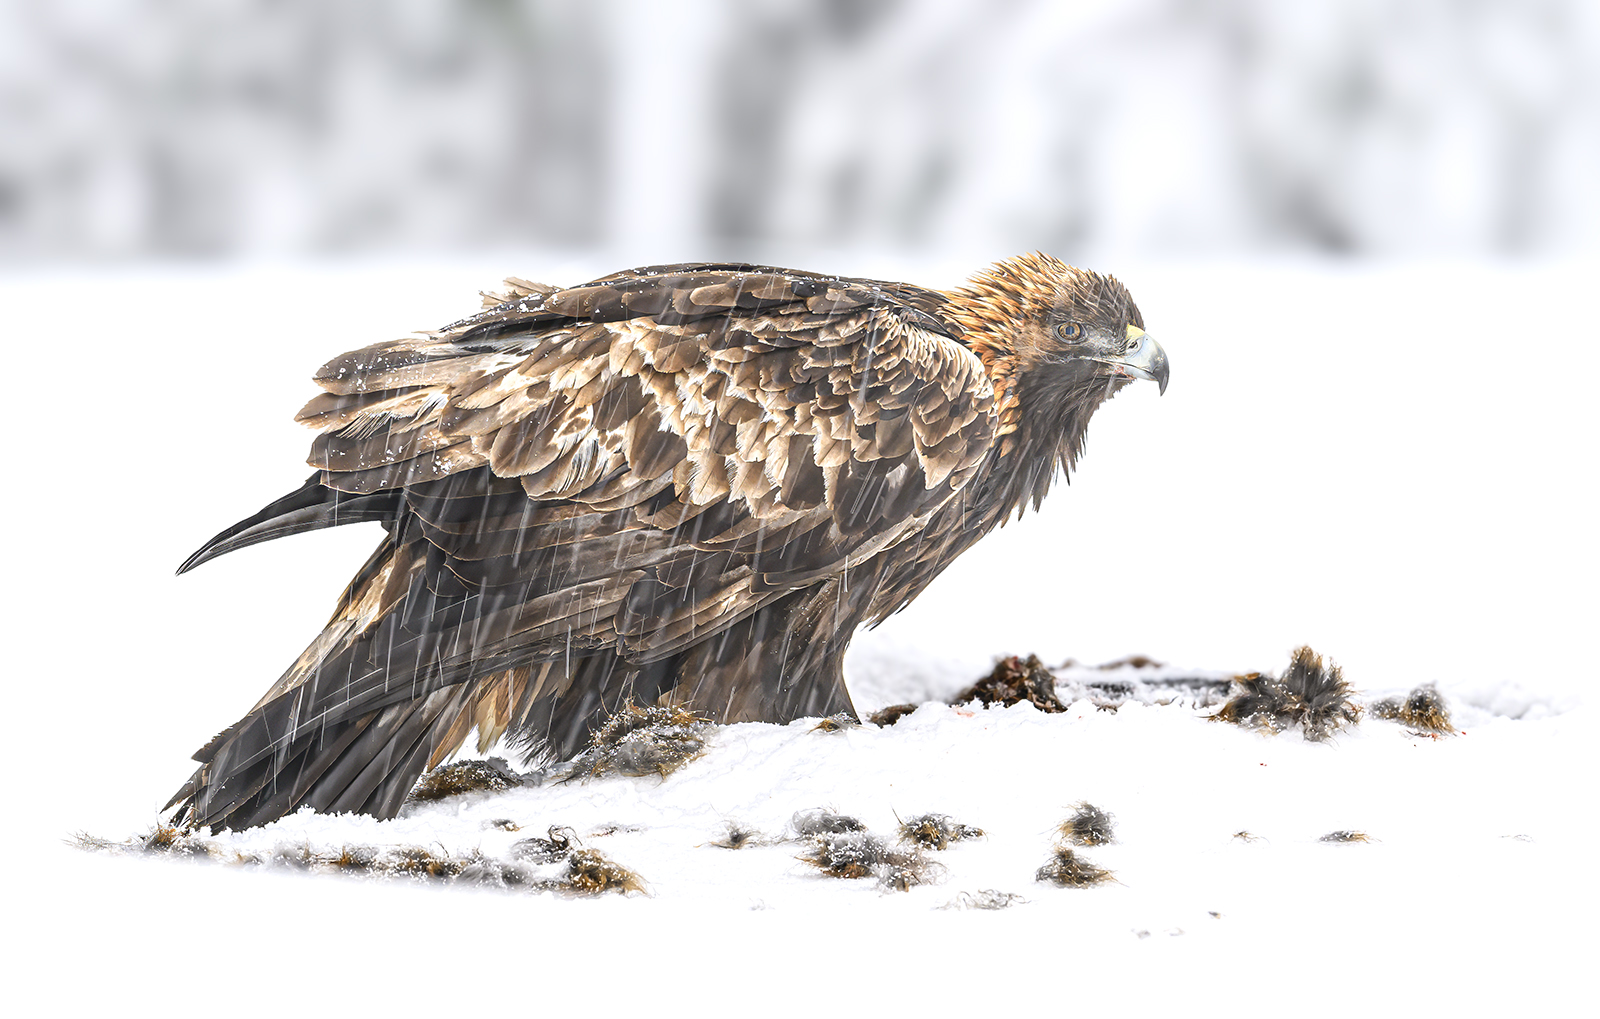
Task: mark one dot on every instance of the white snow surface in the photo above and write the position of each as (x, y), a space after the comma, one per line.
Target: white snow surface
(1392, 463)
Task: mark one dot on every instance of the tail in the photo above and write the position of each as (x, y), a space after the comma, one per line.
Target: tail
(366, 765)
(330, 736)
(248, 775)
(311, 507)
(406, 668)
(265, 765)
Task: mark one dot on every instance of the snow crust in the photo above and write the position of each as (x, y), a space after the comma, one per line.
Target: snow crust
(1180, 787)
(1469, 891)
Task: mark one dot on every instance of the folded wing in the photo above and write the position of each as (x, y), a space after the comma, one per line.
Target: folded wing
(628, 467)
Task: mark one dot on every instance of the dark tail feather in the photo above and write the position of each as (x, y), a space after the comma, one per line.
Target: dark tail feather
(367, 765)
(311, 507)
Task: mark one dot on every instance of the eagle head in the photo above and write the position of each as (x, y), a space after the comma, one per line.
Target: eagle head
(1038, 320)
(1056, 341)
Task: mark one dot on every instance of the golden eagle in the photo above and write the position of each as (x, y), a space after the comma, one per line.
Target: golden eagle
(681, 484)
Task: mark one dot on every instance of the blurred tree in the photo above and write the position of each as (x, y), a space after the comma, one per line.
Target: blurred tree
(137, 127)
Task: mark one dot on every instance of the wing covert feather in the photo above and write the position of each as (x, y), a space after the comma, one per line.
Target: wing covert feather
(758, 429)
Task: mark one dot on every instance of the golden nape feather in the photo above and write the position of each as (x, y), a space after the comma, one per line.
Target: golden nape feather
(650, 488)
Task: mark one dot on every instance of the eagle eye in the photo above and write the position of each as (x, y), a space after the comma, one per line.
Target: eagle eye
(1072, 332)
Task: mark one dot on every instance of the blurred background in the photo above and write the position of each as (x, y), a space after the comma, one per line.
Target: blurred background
(752, 128)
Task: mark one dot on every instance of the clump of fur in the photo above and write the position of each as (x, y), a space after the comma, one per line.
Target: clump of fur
(640, 741)
(937, 831)
(589, 873)
(821, 821)
(847, 854)
(584, 872)
(95, 844)
(987, 898)
(861, 854)
(837, 723)
(555, 846)
(1069, 870)
(491, 776)
(488, 872)
(1088, 826)
(885, 717)
(1246, 836)
(740, 837)
(174, 842)
(902, 871)
(500, 824)
(1346, 836)
(1012, 681)
(419, 861)
(1423, 708)
(1310, 693)
(162, 840)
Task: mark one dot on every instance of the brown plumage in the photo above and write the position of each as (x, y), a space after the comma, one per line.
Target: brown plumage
(685, 485)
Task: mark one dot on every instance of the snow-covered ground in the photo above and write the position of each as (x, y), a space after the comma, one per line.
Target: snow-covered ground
(1393, 464)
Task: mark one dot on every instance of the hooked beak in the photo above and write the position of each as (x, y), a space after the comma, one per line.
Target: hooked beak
(1145, 361)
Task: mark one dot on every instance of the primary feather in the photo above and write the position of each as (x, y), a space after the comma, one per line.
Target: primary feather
(683, 484)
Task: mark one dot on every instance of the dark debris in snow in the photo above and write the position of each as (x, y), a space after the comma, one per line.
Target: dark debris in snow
(937, 831)
(1109, 686)
(738, 836)
(822, 821)
(1088, 826)
(1013, 680)
(561, 869)
(1069, 870)
(1311, 694)
(490, 776)
(1131, 662)
(861, 854)
(1346, 836)
(638, 741)
(846, 854)
(1423, 708)
(556, 844)
(837, 723)
(162, 840)
(891, 714)
(589, 873)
